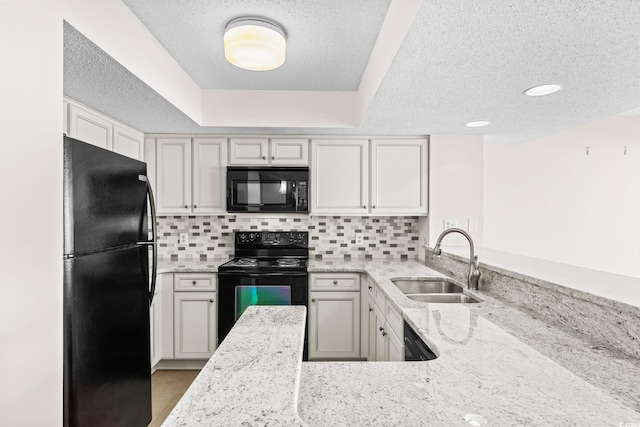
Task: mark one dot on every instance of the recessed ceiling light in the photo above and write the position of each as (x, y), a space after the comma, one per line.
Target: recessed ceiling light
(542, 90)
(477, 124)
(254, 44)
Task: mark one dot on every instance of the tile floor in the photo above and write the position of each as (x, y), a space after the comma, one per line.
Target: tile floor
(167, 387)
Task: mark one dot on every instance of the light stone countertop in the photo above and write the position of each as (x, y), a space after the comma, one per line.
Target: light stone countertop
(483, 368)
(253, 377)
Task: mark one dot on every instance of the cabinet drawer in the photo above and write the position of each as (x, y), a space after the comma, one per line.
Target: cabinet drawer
(335, 282)
(194, 282)
(394, 320)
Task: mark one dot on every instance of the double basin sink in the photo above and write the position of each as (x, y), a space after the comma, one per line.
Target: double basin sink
(433, 290)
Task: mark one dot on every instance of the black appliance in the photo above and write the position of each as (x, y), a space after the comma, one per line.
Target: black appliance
(269, 268)
(268, 189)
(107, 288)
(415, 350)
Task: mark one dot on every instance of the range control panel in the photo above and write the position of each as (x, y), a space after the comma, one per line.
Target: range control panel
(260, 239)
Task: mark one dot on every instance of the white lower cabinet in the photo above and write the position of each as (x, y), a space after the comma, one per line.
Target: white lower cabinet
(386, 331)
(195, 325)
(154, 329)
(334, 316)
(186, 326)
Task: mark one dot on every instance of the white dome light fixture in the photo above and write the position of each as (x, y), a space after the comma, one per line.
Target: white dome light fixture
(254, 44)
(542, 90)
(477, 124)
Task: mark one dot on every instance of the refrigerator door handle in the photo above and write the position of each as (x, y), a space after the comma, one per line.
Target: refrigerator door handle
(153, 242)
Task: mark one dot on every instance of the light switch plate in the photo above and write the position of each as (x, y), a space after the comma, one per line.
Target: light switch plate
(450, 223)
(359, 239)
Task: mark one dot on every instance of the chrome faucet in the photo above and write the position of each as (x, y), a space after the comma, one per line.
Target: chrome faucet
(474, 273)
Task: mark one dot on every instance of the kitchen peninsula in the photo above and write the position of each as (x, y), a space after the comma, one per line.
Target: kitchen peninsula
(483, 371)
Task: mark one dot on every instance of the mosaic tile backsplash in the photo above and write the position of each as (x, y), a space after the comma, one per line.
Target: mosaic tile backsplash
(329, 237)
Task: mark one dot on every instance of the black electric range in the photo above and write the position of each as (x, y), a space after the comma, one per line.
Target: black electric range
(269, 268)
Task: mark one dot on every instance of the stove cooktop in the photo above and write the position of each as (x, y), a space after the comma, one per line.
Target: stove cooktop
(265, 264)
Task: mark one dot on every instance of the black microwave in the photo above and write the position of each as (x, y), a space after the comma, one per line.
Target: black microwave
(267, 189)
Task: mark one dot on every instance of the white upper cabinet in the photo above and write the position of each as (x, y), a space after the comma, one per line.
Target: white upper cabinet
(102, 131)
(289, 151)
(209, 175)
(128, 142)
(381, 177)
(339, 176)
(249, 151)
(191, 175)
(399, 176)
(265, 151)
(173, 175)
(90, 127)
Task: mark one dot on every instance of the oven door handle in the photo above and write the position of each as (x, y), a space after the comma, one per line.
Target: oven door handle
(242, 274)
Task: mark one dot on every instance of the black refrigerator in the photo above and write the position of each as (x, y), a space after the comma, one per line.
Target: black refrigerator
(108, 287)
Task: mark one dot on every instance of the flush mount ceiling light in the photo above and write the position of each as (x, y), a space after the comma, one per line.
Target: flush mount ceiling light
(542, 90)
(477, 124)
(254, 44)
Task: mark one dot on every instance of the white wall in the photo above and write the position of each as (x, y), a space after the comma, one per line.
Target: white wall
(455, 187)
(31, 215)
(548, 199)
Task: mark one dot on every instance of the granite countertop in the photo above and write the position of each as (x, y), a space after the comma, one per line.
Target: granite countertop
(249, 380)
(484, 368)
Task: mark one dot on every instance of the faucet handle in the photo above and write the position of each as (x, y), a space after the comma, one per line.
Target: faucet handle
(476, 262)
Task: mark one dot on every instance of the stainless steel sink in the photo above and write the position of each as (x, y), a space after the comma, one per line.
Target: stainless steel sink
(443, 298)
(438, 286)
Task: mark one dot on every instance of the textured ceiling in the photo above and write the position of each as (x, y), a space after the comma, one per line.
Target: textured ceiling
(461, 61)
(317, 58)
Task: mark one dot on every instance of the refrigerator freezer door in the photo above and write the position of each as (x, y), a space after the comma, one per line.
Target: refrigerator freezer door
(104, 199)
(107, 372)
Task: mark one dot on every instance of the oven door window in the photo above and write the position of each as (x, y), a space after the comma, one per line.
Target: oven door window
(260, 295)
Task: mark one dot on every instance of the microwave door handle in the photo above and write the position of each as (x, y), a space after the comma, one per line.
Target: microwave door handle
(295, 195)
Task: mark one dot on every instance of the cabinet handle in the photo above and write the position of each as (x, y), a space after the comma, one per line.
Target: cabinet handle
(335, 282)
(186, 206)
(273, 157)
(210, 300)
(195, 206)
(384, 334)
(381, 328)
(370, 310)
(264, 157)
(194, 282)
(313, 300)
(364, 206)
(374, 206)
(370, 287)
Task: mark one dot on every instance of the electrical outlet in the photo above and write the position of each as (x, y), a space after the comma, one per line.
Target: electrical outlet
(473, 225)
(359, 239)
(450, 223)
(183, 239)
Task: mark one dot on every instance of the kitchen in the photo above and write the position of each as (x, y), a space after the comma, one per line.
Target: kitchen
(593, 229)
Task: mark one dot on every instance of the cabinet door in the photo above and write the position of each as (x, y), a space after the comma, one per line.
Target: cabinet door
(371, 356)
(195, 334)
(381, 336)
(173, 175)
(395, 347)
(248, 151)
(289, 151)
(334, 325)
(154, 328)
(128, 142)
(399, 176)
(340, 176)
(90, 127)
(209, 175)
